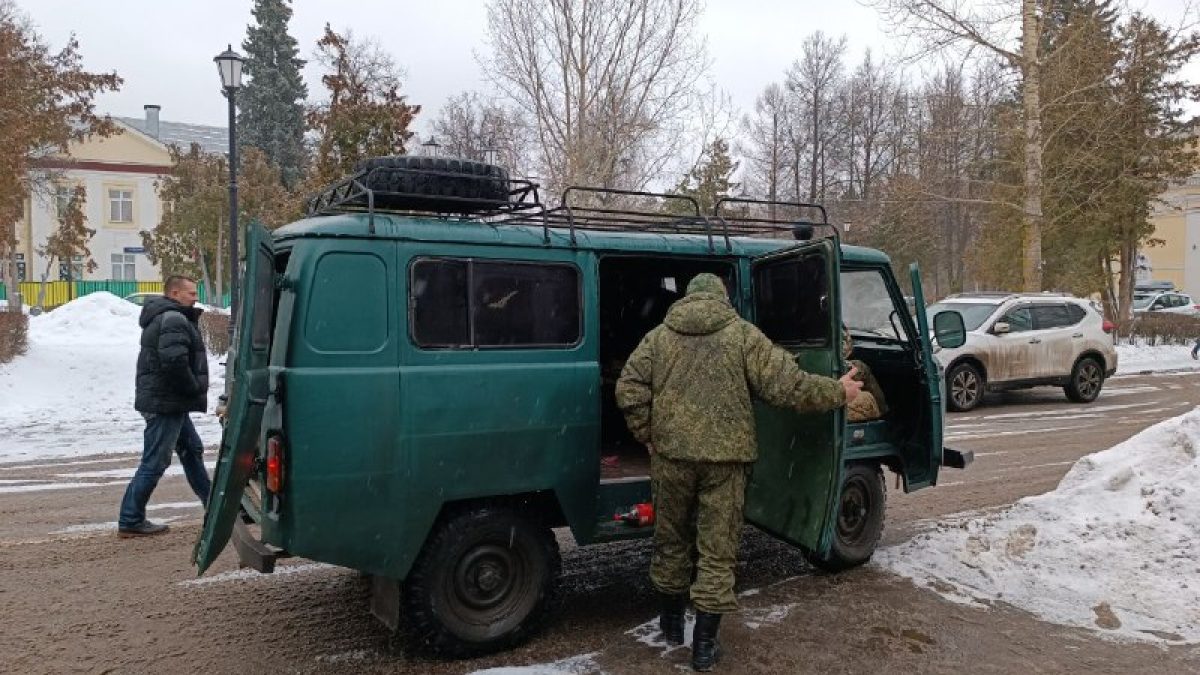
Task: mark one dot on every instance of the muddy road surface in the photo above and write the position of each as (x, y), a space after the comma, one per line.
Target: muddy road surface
(75, 598)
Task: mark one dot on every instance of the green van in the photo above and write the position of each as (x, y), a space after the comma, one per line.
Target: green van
(421, 385)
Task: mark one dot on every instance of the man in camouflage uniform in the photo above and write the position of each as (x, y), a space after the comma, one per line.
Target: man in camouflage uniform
(686, 393)
(870, 404)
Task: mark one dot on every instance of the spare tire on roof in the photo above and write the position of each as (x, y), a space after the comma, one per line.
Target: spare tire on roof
(439, 184)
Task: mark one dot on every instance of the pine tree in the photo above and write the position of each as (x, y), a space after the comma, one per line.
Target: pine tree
(271, 105)
(710, 179)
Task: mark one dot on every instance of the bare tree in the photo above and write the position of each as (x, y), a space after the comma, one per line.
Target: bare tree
(813, 79)
(605, 83)
(473, 127)
(764, 143)
(942, 24)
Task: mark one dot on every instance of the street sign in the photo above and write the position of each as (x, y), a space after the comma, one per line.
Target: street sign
(135, 249)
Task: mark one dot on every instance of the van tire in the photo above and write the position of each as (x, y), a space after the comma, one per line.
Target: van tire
(418, 182)
(486, 580)
(1087, 379)
(862, 504)
(971, 384)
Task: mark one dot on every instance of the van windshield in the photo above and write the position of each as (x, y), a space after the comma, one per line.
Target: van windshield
(973, 313)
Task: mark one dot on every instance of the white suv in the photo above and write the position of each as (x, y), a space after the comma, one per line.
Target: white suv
(1169, 302)
(1017, 341)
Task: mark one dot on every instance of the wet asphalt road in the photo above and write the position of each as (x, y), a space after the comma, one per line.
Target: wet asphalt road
(76, 599)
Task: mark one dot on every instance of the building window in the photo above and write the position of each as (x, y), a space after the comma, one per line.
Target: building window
(480, 304)
(62, 201)
(124, 267)
(120, 205)
(72, 272)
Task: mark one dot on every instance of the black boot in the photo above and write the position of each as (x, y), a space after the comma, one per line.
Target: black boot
(706, 651)
(670, 620)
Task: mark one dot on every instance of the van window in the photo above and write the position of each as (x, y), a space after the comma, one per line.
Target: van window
(791, 301)
(344, 283)
(438, 303)
(264, 296)
(480, 304)
(867, 305)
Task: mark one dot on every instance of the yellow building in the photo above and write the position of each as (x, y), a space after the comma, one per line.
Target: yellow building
(1176, 221)
(119, 175)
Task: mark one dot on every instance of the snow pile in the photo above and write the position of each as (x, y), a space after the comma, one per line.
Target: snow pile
(1115, 547)
(71, 394)
(1141, 358)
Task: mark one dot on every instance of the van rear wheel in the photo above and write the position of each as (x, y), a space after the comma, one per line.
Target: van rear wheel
(486, 580)
(862, 503)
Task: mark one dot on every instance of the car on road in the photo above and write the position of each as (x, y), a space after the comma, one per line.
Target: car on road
(1018, 341)
(423, 386)
(1170, 302)
(140, 298)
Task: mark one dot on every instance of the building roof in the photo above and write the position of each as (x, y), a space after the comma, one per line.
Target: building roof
(210, 139)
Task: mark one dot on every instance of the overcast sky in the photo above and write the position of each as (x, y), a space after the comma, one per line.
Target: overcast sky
(164, 48)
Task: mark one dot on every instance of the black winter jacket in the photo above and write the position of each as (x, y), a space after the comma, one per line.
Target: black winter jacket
(172, 366)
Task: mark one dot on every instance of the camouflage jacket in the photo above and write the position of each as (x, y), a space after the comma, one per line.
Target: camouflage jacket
(687, 387)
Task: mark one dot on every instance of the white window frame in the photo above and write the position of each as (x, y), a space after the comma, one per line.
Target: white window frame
(120, 200)
(123, 266)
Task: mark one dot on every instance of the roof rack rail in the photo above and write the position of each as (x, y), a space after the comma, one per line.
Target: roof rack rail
(581, 208)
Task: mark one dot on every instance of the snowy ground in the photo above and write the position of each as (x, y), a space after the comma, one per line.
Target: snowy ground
(1145, 359)
(71, 394)
(1115, 547)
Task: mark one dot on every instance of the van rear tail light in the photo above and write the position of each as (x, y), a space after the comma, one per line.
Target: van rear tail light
(275, 464)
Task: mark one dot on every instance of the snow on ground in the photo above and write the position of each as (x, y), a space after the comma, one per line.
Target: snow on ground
(575, 665)
(71, 394)
(1141, 358)
(1115, 547)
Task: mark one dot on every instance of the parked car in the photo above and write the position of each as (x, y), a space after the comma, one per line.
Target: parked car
(1018, 341)
(1170, 302)
(140, 298)
(423, 397)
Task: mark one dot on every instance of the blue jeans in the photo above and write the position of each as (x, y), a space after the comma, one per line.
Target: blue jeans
(163, 434)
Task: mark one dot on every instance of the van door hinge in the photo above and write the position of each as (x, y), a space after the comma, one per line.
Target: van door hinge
(283, 283)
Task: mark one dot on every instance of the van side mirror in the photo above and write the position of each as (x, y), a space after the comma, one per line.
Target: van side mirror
(1001, 328)
(949, 329)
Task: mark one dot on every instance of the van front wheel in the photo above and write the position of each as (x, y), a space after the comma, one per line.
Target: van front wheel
(485, 581)
(859, 523)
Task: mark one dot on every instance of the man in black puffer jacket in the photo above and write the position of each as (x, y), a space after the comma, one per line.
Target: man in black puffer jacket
(172, 381)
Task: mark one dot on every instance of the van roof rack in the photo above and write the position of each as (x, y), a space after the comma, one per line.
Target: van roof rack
(581, 208)
(677, 214)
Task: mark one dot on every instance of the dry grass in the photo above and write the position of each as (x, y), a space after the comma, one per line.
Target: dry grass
(14, 338)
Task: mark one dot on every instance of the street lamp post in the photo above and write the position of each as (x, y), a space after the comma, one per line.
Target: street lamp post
(229, 65)
(431, 147)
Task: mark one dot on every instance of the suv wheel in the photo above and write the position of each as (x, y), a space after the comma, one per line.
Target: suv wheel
(964, 387)
(1087, 378)
(861, 507)
(486, 580)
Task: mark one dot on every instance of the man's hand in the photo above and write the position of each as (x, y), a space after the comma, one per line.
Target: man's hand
(850, 385)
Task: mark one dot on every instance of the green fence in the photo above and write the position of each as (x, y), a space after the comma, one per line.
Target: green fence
(57, 293)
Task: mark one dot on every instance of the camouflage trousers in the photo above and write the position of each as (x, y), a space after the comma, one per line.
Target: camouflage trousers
(698, 510)
(869, 404)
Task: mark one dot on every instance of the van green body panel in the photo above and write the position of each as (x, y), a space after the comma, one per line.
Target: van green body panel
(381, 435)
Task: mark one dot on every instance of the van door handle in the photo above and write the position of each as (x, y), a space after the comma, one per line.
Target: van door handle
(1035, 341)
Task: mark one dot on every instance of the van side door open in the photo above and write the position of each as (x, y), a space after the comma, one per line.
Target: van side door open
(236, 461)
(794, 487)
